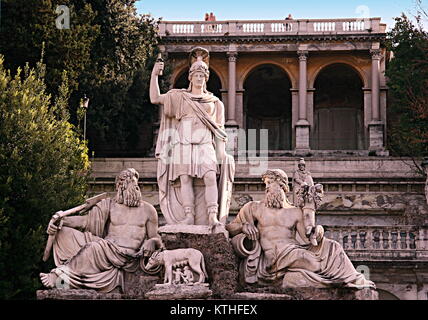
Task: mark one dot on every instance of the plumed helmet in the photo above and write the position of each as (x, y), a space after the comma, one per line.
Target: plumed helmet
(199, 62)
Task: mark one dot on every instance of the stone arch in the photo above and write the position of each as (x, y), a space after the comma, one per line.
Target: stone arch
(338, 109)
(214, 84)
(267, 105)
(244, 74)
(314, 75)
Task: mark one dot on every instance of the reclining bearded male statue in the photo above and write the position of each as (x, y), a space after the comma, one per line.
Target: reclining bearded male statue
(115, 232)
(281, 250)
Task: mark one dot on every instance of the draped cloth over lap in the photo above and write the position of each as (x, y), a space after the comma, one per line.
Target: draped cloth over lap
(336, 269)
(85, 259)
(179, 106)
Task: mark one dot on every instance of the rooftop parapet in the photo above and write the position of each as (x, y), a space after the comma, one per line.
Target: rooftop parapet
(271, 27)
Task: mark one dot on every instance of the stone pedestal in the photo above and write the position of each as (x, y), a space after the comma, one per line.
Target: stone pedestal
(272, 293)
(220, 260)
(376, 136)
(137, 284)
(177, 292)
(302, 137)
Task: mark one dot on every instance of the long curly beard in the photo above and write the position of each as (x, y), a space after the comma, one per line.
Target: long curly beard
(275, 197)
(129, 194)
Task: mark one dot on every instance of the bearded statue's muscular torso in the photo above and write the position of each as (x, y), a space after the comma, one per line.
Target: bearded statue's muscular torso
(128, 225)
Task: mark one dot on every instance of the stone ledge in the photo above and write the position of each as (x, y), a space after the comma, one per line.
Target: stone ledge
(182, 292)
(179, 292)
(77, 294)
(260, 296)
(278, 293)
(192, 229)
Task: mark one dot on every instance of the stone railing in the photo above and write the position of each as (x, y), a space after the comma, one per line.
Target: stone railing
(382, 242)
(271, 27)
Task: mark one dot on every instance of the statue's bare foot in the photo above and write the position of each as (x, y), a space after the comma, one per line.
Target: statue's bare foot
(48, 279)
(189, 219)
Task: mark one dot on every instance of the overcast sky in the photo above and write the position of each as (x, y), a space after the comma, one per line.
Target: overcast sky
(277, 9)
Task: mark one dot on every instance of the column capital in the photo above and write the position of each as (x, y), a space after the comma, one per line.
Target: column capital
(376, 54)
(303, 55)
(232, 55)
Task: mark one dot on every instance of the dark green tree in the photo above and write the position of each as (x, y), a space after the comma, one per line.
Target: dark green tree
(407, 74)
(107, 54)
(28, 26)
(43, 168)
(117, 81)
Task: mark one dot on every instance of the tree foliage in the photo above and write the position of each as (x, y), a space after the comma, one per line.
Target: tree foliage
(107, 53)
(407, 75)
(43, 168)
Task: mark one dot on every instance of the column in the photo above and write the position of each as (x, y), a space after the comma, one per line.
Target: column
(376, 126)
(302, 125)
(231, 96)
(376, 55)
(303, 80)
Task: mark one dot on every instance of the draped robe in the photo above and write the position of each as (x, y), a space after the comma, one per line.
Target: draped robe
(263, 266)
(88, 259)
(186, 145)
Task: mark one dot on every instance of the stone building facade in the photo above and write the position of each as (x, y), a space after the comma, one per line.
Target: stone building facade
(318, 87)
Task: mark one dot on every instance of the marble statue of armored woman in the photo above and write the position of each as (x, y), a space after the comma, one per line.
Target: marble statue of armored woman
(194, 174)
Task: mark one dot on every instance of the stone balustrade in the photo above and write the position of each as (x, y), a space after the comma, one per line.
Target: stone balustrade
(271, 27)
(381, 242)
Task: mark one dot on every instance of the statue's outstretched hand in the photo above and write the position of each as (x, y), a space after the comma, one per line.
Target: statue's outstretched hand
(250, 231)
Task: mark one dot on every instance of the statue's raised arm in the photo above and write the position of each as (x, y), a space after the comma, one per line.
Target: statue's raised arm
(155, 96)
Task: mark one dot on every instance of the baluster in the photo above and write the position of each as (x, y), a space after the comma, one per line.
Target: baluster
(358, 241)
(340, 238)
(399, 244)
(389, 240)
